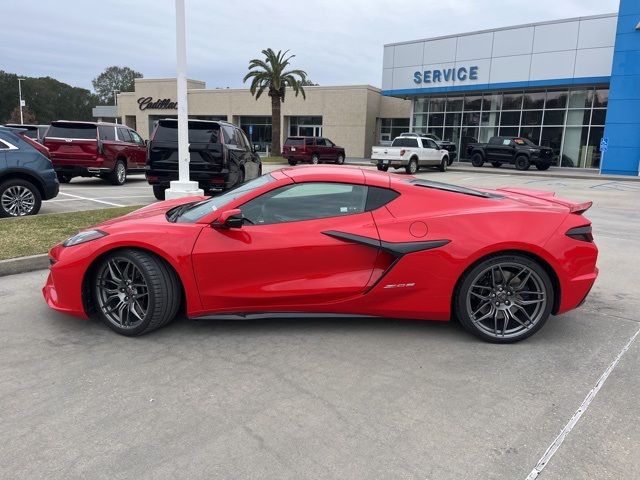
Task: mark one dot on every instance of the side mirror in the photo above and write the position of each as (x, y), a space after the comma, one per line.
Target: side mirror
(229, 219)
(146, 142)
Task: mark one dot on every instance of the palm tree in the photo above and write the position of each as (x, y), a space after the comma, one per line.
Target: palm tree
(270, 74)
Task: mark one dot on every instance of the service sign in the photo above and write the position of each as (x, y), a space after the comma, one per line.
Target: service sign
(459, 74)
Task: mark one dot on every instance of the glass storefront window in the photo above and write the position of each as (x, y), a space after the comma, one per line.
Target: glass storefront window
(451, 135)
(532, 117)
(491, 102)
(554, 117)
(510, 118)
(391, 128)
(437, 131)
(575, 142)
(512, 101)
(580, 98)
(473, 102)
(578, 117)
(436, 119)
(532, 133)
(436, 104)
(489, 119)
(258, 130)
(509, 131)
(593, 154)
(454, 104)
(468, 135)
(421, 105)
(471, 119)
(486, 133)
(598, 116)
(453, 119)
(601, 98)
(552, 137)
(556, 100)
(534, 100)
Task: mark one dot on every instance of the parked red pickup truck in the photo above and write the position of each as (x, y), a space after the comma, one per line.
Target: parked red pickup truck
(95, 149)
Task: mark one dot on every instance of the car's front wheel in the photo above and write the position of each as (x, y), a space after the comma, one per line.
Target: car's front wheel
(477, 160)
(443, 164)
(522, 162)
(340, 159)
(135, 292)
(315, 159)
(505, 298)
(19, 198)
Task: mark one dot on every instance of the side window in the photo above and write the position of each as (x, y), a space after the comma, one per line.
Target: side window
(136, 138)
(229, 135)
(245, 139)
(432, 144)
(320, 142)
(239, 139)
(308, 141)
(329, 143)
(305, 201)
(107, 133)
(123, 135)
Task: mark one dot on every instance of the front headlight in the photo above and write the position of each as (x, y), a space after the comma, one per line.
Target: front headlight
(83, 237)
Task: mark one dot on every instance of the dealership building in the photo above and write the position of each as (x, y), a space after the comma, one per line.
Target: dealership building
(572, 85)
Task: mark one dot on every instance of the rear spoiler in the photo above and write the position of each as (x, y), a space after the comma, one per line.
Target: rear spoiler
(577, 208)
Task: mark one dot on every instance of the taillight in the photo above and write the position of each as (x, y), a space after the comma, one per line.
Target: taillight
(38, 146)
(402, 152)
(583, 234)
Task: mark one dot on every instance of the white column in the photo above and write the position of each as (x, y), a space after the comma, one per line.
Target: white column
(183, 187)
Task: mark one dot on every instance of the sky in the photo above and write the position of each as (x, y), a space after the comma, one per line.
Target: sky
(337, 42)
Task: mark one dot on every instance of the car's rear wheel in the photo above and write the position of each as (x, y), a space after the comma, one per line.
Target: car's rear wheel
(542, 166)
(496, 164)
(412, 167)
(504, 299)
(64, 177)
(443, 164)
(315, 159)
(340, 159)
(119, 174)
(477, 160)
(159, 192)
(293, 163)
(135, 292)
(383, 168)
(19, 198)
(522, 162)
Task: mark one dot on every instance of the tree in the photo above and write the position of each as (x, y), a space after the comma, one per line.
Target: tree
(114, 79)
(309, 83)
(27, 116)
(270, 74)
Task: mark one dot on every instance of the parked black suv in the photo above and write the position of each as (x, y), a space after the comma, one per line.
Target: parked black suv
(26, 174)
(519, 151)
(221, 156)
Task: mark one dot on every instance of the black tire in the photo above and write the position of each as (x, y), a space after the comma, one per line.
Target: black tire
(496, 164)
(19, 198)
(315, 159)
(293, 163)
(444, 164)
(510, 263)
(451, 159)
(119, 174)
(413, 167)
(543, 166)
(383, 168)
(522, 162)
(63, 177)
(159, 192)
(477, 160)
(340, 159)
(162, 285)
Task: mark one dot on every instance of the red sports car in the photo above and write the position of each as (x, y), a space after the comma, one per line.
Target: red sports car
(334, 240)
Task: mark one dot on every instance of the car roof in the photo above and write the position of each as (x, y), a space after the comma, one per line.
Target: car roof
(334, 173)
(84, 122)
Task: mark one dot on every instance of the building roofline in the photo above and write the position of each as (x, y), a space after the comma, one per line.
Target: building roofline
(310, 87)
(499, 29)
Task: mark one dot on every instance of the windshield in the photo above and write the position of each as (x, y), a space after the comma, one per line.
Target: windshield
(453, 188)
(82, 131)
(198, 210)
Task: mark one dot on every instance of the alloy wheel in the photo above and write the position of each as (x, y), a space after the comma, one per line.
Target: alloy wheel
(122, 293)
(506, 300)
(18, 201)
(121, 172)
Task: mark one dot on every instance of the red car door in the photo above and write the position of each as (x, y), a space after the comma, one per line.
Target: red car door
(276, 260)
(138, 149)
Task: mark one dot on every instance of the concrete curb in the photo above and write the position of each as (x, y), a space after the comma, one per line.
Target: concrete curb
(13, 266)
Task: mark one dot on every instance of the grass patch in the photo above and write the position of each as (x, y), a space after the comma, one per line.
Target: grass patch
(273, 160)
(37, 234)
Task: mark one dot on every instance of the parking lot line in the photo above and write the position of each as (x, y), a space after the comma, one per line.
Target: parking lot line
(91, 199)
(548, 454)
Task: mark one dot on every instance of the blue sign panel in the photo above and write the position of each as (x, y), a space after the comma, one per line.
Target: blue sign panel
(604, 144)
(250, 129)
(459, 74)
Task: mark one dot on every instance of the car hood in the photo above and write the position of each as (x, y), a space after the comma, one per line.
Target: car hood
(156, 212)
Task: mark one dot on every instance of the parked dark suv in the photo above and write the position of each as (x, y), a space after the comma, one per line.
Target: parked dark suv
(518, 151)
(26, 174)
(312, 150)
(220, 155)
(95, 149)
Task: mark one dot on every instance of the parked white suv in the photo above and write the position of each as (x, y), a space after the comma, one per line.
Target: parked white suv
(410, 153)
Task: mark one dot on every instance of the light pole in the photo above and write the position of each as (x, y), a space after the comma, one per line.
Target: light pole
(115, 102)
(183, 187)
(21, 102)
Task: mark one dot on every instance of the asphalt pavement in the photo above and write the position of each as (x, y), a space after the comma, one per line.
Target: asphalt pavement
(329, 399)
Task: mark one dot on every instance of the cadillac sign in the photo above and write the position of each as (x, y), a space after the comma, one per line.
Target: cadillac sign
(147, 103)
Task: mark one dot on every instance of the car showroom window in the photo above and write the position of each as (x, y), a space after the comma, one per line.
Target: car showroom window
(305, 201)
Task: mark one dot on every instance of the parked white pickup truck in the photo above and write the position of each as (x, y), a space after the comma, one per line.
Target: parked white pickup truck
(410, 153)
